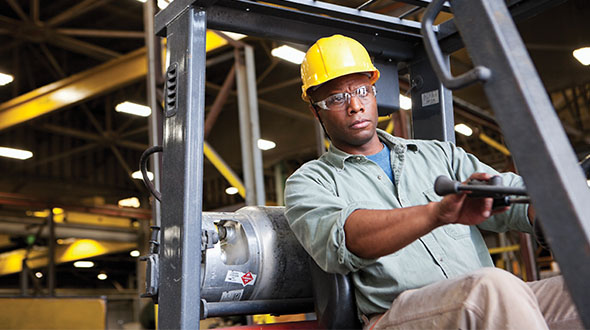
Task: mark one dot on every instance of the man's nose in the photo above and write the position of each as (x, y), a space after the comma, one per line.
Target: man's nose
(355, 105)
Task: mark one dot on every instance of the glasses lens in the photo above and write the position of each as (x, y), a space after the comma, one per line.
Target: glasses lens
(340, 101)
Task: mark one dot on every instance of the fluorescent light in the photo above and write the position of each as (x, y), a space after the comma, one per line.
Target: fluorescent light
(582, 55)
(163, 4)
(38, 274)
(134, 109)
(137, 175)
(463, 129)
(265, 144)
(129, 202)
(134, 253)
(405, 102)
(102, 276)
(235, 36)
(5, 79)
(588, 183)
(231, 190)
(144, 1)
(83, 264)
(15, 153)
(288, 54)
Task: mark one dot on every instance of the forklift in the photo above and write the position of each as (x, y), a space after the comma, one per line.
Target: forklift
(205, 264)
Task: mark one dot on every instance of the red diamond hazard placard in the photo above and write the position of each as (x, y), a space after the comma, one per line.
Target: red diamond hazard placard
(247, 278)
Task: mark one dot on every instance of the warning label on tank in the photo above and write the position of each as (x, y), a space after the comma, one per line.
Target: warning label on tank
(233, 295)
(234, 276)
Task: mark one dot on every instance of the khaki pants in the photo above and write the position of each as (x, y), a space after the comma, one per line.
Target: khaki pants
(488, 298)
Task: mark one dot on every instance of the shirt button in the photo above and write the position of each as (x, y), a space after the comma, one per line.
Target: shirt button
(379, 177)
(358, 158)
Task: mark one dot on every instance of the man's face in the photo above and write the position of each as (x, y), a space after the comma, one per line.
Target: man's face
(352, 129)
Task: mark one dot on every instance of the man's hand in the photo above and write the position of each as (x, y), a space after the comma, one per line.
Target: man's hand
(458, 208)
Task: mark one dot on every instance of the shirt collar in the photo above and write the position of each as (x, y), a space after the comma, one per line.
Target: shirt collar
(337, 157)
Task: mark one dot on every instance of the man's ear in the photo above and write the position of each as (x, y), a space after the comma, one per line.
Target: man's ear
(313, 111)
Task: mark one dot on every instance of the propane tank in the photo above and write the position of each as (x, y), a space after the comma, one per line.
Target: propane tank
(257, 257)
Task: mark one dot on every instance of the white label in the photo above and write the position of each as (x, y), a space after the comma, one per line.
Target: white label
(430, 98)
(233, 295)
(234, 276)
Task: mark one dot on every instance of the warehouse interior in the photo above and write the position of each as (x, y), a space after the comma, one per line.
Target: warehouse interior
(75, 215)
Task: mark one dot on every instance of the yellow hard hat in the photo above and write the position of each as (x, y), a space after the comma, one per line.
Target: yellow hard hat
(334, 57)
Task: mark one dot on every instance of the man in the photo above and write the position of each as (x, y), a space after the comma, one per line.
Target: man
(367, 207)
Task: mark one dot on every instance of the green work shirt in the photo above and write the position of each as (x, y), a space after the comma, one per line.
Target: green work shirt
(321, 195)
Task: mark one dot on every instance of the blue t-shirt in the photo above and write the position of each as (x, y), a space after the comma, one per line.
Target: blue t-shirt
(383, 159)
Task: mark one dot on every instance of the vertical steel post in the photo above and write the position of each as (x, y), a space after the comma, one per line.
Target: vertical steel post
(24, 278)
(537, 140)
(320, 138)
(249, 126)
(432, 104)
(51, 252)
(182, 181)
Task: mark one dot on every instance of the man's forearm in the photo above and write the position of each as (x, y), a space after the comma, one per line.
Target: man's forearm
(376, 233)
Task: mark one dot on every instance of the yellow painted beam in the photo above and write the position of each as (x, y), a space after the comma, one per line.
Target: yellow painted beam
(53, 313)
(503, 249)
(494, 144)
(11, 262)
(83, 86)
(224, 169)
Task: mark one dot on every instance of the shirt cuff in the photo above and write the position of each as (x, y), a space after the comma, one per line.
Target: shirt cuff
(345, 257)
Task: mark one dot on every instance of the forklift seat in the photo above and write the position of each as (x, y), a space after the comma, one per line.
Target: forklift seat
(334, 299)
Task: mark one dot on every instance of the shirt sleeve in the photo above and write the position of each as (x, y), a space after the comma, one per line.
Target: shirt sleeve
(516, 218)
(317, 217)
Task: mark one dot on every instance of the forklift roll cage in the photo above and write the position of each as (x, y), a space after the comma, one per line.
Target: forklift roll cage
(530, 125)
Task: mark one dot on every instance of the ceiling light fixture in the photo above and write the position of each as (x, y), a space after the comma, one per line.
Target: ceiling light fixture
(288, 54)
(231, 190)
(137, 175)
(133, 109)
(582, 55)
(102, 276)
(83, 264)
(234, 35)
(265, 144)
(15, 153)
(463, 129)
(129, 202)
(38, 274)
(5, 79)
(135, 253)
(163, 3)
(405, 102)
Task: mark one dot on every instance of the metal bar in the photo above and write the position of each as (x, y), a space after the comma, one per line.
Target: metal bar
(424, 3)
(294, 25)
(25, 226)
(249, 126)
(24, 278)
(154, 74)
(284, 84)
(73, 89)
(101, 33)
(182, 182)
(494, 144)
(51, 255)
(432, 104)
(82, 47)
(220, 100)
(125, 167)
(74, 11)
(536, 137)
(365, 5)
(224, 169)
(353, 14)
(18, 10)
(279, 307)
(267, 71)
(35, 11)
(54, 64)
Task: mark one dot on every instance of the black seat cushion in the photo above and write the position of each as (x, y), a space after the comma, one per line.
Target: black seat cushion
(334, 299)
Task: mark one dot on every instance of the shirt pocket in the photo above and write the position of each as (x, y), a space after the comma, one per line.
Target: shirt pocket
(455, 231)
